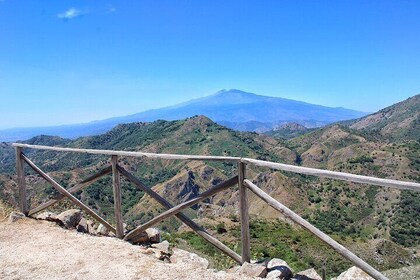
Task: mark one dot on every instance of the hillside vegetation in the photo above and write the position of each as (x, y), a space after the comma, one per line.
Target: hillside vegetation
(367, 219)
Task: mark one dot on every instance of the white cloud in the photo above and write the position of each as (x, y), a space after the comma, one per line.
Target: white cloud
(110, 9)
(70, 13)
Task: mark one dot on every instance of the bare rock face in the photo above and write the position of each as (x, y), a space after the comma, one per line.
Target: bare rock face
(309, 274)
(160, 250)
(154, 235)
(163, 246)
(275, 274)
(354, 273)
(91, 227)
(102, 230)
(15, 216)
(49, 216)
(253, 270)
(279, 269)
(150, 235)
(70, 218)
(82, 226)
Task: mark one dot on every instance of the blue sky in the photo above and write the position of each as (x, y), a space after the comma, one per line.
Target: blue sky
(75, 61)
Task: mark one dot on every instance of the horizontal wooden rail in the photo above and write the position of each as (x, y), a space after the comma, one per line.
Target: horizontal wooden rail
(67, 194)
(336, 175)
(127, 153)
(273, 165)
(190, 223)
(74, 189)
(322, 236)
(220, 187)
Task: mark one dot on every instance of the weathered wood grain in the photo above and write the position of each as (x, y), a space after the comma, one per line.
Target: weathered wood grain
(244, 214)
(117, 198)
(336, 175)
(20, 174)
(127, 153)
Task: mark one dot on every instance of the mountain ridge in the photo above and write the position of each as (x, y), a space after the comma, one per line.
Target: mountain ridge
(234, 108)
(346, 209)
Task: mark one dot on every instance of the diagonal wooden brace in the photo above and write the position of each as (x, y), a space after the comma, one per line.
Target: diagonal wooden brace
(67, 194)
(194, 226)
(174, 210)
(75, 188)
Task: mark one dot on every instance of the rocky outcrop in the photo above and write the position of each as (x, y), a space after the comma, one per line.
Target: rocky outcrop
(354, 273)
(15, 216)
(102, 230)
(190, 189)
(49, 216)
(279, 269)
(82, 226)
(160, 250)
(150, 235)
(70, 218)
(309, 274)
(253, 270)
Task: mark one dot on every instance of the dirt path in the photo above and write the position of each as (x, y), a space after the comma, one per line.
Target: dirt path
(31, 249)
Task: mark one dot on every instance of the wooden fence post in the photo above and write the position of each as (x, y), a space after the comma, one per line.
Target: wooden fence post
(244, 214)
(117, 198)
(20, 174)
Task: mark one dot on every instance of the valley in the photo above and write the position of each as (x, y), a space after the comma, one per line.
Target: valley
(378, 224)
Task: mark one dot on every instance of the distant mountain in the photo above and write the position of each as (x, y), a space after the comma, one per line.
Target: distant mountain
(399, 121)
(236, 109)
(335, 207)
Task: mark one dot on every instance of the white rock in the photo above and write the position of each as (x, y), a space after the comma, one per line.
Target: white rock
(354, 273)
(153, 235)
(283, 269)
(82, 226)
(310, 274)
(274, 274)
(15, 216)
(49, 216)
(163, 246)
(102, 230)
(253, 270)
(70, 218)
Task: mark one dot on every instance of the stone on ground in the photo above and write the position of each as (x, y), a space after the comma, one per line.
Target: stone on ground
(279, 269)
(154, 235)
(82, 226)
(102, 230)
(70, 218)
(309, 274)
(15, 216)
(354, 273)
(253, 270)
(163, 246)
(49, 216)
(150, 235)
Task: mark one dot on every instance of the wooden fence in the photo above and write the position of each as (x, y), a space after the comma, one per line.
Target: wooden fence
(240, 180)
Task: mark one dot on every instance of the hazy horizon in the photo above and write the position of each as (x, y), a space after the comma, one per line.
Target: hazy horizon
(75, 62)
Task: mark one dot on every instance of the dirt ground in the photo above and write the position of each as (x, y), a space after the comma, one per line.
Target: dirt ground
(31, 249)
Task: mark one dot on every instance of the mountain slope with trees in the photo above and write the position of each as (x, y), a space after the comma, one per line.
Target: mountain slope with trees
(365, 218)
